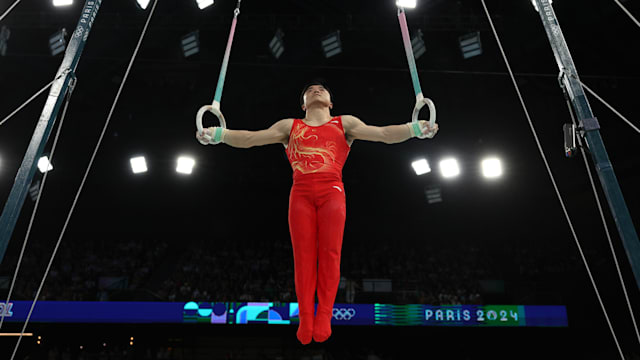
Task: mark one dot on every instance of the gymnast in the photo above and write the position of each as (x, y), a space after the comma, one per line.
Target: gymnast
(317, 147)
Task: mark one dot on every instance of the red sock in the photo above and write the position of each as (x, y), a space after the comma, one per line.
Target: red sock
(305, 328)
(322, 327)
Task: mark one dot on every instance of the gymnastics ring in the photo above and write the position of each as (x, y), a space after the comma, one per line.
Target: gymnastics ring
(215, 110)
(421, 101)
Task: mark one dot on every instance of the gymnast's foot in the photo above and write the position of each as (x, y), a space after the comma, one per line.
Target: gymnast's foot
(305, 328)
(322, 327)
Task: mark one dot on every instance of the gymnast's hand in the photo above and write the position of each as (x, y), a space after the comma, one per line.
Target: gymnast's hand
(211, 135)
(425, 130)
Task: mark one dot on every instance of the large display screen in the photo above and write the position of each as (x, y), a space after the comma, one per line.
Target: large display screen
(285, 313)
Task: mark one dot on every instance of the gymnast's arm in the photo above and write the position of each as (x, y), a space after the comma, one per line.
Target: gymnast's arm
(356, 129)
(277, 133)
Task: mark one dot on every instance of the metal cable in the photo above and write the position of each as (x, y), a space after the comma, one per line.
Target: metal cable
(628, 13)
(9, 9)
(75, 200)
(609, 106)
(553, 181)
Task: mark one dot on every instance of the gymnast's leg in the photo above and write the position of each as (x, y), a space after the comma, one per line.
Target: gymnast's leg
(331, 219)
(302, 227)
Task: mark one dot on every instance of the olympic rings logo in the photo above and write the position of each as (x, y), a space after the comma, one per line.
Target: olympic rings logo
(344, 314)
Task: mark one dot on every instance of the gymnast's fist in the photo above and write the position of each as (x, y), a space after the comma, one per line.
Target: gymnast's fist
(422, 129)
(211, 136)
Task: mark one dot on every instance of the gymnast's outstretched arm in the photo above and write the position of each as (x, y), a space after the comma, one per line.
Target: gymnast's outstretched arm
(356, 129)
(277, 133)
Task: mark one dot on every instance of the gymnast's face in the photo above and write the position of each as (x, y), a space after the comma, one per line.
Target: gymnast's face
(316, 95)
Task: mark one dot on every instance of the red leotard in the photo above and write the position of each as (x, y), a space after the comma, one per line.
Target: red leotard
(317, 214)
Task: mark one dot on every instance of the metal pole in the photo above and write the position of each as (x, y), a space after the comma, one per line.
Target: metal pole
(58, 90)
(590, 132)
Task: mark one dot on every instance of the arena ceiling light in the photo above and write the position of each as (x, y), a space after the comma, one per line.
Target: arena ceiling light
(417, 45)
(185, 165)
(470, 45)
(407, 4)
(191, 43)
(44, 165)
(138, 164)
(331, 44)
(433, 195)
(449, 168)
(421, 166)
(5, 33)
(143, 4)
(277, 45)
(62, 2)
(204, 3)
(57, 42)
(491, 168)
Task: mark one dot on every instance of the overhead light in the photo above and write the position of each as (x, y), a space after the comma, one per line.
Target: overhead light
(143, 4)
(277, 45)
(34, 190)
(62, 2)
(57, 42)
(417, 45)
(204, 3)
(409, 4)
(44, 165)
(470, 45)
(421, 166)
(491, 168)
(331, 44)
(449, 168)
(433, 195)
(535, 5)
(191, 43)
(185, 165)
(4, 38)
(138, 164)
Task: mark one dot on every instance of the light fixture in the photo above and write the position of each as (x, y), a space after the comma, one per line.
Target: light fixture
(57, 42)
(62, 2)
(449, 168)
(277, 45)
(421, 166)
(4, 38)
(491, 168)
(191, 43)
(204, 3)
(185, 165)
(331, 44)
(34, 190)
(44, 165)
(409, 4)
(143, 4)
(417, 45)
(138, 164)
(470, 45)
(433, 195)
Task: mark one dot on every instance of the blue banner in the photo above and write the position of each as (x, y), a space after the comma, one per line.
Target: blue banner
(275, 313)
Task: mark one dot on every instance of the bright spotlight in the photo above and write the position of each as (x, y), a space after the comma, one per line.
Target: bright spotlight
(185, 165)
(44, 165)
(138, 164)
(143, 4)
(449, 168)
(421, 166)
(204, 3)
(409, 4)
(491, 168)
(62, 2)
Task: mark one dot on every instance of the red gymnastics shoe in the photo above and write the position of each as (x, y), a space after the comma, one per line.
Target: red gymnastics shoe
(322, 327)
(305, 328)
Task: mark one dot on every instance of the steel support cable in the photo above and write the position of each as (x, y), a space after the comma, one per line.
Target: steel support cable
(553, 181)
